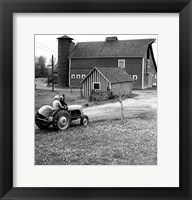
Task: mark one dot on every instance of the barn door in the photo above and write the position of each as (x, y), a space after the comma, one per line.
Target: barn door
(150, 81)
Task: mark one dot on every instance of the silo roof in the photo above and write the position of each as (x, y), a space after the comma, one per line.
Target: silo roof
(65, 37)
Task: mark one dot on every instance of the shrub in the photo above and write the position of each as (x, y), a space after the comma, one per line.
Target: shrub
(100, 96)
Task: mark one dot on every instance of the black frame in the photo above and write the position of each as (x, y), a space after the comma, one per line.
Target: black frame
(7, 8)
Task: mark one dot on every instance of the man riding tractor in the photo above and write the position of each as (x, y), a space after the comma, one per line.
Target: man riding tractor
(60, 117)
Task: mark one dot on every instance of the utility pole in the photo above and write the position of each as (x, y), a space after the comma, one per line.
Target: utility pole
(52, 75)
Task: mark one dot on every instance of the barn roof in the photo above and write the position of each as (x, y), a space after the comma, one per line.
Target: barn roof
(112, 74)
(112, 48)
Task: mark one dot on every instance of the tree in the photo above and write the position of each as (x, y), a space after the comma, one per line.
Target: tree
(120, 98)
(40, 67)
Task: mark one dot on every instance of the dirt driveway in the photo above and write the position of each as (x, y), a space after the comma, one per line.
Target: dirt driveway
(144, 101)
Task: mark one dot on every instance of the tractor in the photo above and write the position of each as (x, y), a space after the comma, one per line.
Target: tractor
(60, 118)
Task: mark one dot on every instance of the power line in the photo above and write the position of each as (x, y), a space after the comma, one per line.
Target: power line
(45, 50)
(45, 46)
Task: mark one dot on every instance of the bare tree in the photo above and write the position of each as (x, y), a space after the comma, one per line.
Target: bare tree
(120, 98)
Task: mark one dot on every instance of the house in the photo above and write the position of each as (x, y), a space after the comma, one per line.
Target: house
(136, 57)
(103, 79)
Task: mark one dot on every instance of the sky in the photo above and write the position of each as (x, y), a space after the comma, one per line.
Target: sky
(47, 45)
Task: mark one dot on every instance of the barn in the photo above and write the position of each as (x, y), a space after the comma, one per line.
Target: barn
(103, 79)
(136, 57)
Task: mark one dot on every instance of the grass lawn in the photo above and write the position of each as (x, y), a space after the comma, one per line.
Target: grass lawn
(132, 141)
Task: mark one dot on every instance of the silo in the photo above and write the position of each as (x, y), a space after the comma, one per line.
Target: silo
(64, 48)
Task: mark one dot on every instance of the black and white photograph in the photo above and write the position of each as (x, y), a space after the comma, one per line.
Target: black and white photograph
(84, 113)
(96, 99)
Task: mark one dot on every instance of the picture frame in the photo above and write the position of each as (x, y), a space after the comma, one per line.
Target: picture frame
(7, 8)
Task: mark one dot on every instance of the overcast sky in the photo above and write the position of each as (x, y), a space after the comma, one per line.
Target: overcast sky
(47, 45)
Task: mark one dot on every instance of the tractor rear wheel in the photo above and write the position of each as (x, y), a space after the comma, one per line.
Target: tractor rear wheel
(40, 123)
(62, 120)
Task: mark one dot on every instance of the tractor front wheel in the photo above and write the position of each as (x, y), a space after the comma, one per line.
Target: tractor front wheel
(84, 120)
(62, 120)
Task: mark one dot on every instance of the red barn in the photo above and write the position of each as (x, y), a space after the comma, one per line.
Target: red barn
(134, 56)
(105, 79)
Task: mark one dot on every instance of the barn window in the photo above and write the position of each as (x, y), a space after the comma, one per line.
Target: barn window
(96, 85)
(121, 63)
(148, 63)
(83, 76)
(72, 76)
(134, 77)
(78, 76)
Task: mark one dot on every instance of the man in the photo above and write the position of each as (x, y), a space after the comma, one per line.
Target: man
(56, 103)
(62, 100)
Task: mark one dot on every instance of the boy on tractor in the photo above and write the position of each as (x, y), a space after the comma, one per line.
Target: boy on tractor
(56, 103)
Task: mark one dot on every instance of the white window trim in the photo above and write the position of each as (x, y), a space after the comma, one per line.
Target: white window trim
(148, 62)
(83, 76)
(78, 76)
(135, 77)
(97, 83)
(72, 76)
(142, 77)
(120, 60)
